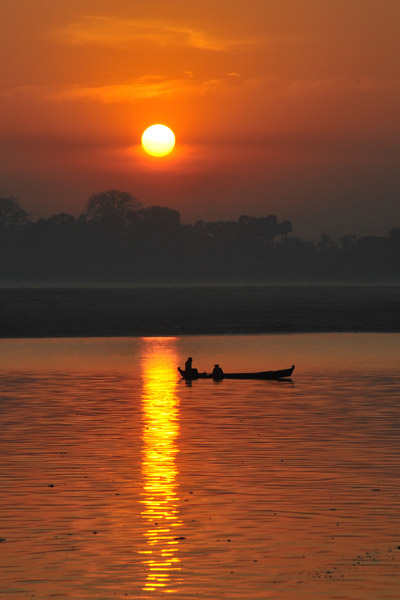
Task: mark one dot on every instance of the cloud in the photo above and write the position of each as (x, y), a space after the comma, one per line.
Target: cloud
(142, 88)
(120, 33)
(138, 89)
(157, 86)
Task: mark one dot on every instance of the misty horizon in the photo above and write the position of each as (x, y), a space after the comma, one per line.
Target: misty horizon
(117, 240)
(347, 211)
(341, 230)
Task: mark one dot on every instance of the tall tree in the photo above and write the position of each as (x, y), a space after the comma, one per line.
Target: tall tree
(111, 209)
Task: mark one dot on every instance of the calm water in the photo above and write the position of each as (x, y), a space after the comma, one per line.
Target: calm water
(119, 481)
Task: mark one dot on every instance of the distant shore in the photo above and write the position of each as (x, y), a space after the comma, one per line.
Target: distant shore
(120, 312)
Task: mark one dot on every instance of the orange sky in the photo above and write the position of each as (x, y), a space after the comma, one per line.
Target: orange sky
(278, 107)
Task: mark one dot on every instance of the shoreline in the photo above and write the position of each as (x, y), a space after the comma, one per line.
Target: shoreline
(163, 311)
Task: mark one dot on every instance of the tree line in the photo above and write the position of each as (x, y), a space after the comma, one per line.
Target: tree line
(118, 241)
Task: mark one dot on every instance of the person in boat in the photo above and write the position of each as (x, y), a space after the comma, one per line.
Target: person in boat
(217, 372)
(189, 371)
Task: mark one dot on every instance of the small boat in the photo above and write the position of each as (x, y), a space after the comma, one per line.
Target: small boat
(282, 374)
(192, 376)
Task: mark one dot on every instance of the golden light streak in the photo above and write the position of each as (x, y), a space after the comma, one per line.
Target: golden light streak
(160, 407)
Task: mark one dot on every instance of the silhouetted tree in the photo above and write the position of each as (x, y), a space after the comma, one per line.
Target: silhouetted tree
(111, 209)
(56, 227)
(159, 219)
(62, 221)
(394, 237)
(348, 242)
(285, 228)
(12, 217)
(266, 228)
(373, 244)
(117, 240)
(326, 244)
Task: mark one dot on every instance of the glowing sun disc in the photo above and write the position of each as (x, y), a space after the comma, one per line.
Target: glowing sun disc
(158, 140)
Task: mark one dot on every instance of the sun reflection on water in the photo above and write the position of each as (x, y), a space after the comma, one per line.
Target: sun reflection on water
(160, 407)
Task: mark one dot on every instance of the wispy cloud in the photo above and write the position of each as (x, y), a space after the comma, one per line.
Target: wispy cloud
(138, 89)
(156, 86)
(120, 33)
(145, 87)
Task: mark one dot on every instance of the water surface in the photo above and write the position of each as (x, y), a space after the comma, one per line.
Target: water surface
(119, 480)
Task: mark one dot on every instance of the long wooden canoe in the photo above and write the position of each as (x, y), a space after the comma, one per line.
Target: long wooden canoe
(282, 374)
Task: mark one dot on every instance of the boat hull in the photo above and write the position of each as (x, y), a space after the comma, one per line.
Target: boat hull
(266, 375)
(282, 374)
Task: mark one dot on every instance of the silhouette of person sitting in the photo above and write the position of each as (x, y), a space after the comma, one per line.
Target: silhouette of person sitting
(190, 372)
(217, 372)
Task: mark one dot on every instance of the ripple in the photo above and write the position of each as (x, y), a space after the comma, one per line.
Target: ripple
(125, 483)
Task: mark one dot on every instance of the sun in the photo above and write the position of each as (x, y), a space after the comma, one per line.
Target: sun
(158, 140)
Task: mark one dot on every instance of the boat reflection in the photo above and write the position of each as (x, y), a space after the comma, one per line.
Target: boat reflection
(160, 408)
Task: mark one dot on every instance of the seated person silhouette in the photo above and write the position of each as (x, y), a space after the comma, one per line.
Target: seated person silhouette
(217, 372)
